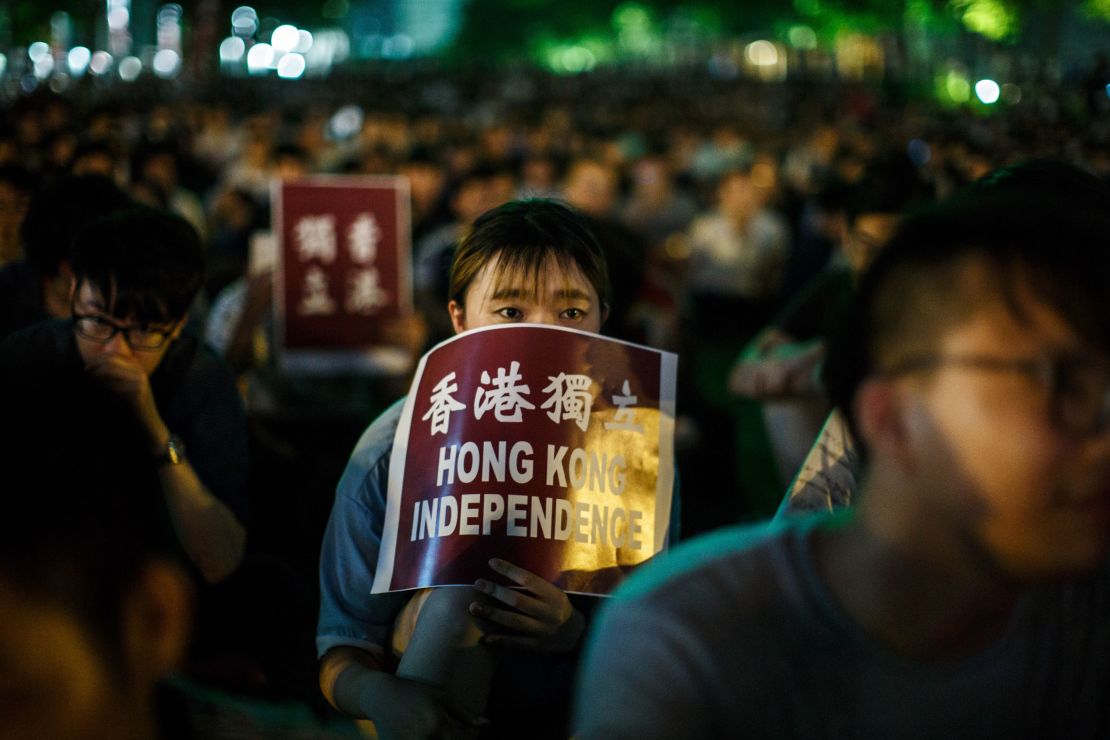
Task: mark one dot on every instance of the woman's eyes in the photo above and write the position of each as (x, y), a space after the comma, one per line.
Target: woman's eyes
(515, 314)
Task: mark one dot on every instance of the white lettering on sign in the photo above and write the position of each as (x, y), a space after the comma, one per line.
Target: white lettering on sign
(443, 404)
(517, 515)
(506, 398)
(315, 300)
(625, 417)
(465, 461)
(363, 236)
(364, 295)
(570, 399)
(315, 238)
(585, 469)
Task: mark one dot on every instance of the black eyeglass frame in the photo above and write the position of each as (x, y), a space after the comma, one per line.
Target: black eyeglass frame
(1058, 373)
(80, 325)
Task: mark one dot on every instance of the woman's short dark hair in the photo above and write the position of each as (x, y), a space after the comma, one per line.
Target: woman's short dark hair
(524, 235)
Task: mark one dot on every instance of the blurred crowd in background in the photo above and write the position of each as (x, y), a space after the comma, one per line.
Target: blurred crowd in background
(675, 173)
(720, 204)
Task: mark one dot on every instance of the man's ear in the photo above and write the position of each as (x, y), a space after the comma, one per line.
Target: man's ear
(604, 313)
(881, 417)
(157, 618)
(458, 316)
(65, 273)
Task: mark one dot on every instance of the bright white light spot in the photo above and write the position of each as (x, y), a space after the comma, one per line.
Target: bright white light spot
(129, 68)
(118, 18)
(232, 49)
(1108, 91)
(762, 53)
(3, 64)
(285, 38)
(291, 67)
(166, 63)
(244, 21)
(38, 51)
(304, 42)
(44, 67)
(100, 63)
(987, 91)
(346, 122)
(78, 59)
(259, 58)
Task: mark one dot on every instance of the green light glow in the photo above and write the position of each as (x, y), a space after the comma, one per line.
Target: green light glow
(990, 18)
(631, 15)
(577, 59)
(802, 37)
(1097, 9)
(808, 7)
(955, 88)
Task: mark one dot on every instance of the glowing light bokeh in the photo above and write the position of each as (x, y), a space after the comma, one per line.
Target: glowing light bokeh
(78, 60)
(232, 49)
(259, 58)
(762, 53)
(987, 91)
(291, 67)
(130, 68)
(166, 63)
(285, 38)
(100, 63)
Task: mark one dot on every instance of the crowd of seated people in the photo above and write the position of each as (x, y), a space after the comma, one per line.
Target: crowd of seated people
(890, 327)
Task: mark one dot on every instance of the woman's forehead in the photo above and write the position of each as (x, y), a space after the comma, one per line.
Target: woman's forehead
(550, 276)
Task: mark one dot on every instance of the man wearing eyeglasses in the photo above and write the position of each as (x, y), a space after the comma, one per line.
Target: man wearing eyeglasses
(135, 275)
(967, 593)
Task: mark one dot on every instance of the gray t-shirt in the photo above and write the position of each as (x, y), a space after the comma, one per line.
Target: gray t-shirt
(735, 635)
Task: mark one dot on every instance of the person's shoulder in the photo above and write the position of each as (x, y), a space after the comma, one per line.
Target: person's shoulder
(21, 300)
(44, 340)
(382, 430)
(18, 273)
(194, 359)
(722, 556)
(41, 356)
(372, 451)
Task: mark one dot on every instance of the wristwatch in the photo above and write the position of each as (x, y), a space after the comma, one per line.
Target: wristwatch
(174, 454)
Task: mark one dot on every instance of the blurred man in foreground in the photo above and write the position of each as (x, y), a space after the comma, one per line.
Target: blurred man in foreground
(967, 593)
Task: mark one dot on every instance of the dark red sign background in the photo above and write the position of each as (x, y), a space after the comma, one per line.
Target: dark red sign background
(345, 199)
